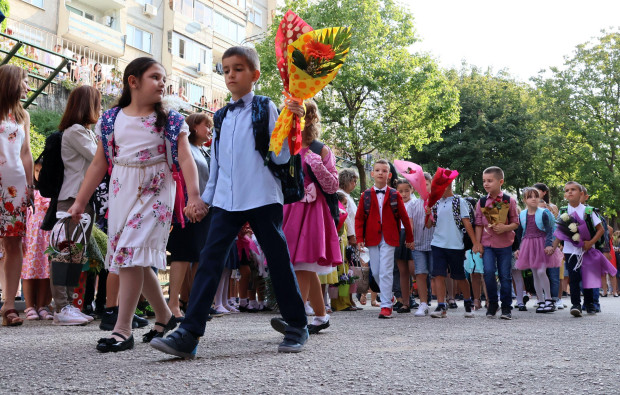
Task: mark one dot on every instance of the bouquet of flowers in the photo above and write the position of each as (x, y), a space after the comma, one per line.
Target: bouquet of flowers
(572, 229)
(497, 213)
(415, 175)
(307, 60)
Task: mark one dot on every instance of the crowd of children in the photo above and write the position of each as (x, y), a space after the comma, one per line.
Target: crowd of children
(236, 247)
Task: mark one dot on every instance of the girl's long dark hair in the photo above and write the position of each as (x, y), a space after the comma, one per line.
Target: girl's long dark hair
(544, 188)
(137, 68)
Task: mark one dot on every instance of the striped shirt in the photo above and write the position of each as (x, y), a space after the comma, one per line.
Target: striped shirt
(421, 234)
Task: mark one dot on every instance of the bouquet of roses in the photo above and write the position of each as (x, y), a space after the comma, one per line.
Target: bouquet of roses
(497, 213)
(307, 60)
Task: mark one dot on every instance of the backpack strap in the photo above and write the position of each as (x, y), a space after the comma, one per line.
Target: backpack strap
(456, 212)
(366, 199)
(107, 135)
(260, 124)
(394, 203)
(171, 134)
(483, 202)
(563, 210)
(523, 219)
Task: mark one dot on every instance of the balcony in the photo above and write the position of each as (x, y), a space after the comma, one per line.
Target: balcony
(107, 5)
(91, 34)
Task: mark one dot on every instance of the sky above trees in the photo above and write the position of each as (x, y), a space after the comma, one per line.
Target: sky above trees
(523, 36)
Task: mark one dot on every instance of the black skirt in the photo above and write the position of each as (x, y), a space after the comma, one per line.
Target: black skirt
(185, 244)
(402, 252)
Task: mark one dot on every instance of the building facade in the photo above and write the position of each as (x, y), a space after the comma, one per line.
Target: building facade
(187, 36)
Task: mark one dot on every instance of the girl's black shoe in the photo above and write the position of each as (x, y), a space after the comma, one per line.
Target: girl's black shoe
(152, 334)
(113, 345)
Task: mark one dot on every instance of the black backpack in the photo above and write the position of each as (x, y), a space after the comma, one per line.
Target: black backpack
(290, 174)
(52, 168)
(603, 242)
(332, 198)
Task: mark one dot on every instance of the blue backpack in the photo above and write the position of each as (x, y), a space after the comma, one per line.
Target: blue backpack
(290, 174)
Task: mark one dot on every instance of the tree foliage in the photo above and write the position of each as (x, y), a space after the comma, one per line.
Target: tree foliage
(384, 99)
(580, 117)
(5, 7)
(496, 128)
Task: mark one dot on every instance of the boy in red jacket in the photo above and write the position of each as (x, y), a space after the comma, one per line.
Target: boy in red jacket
(377, 225)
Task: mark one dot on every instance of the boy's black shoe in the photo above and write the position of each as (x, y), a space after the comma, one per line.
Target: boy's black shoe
(139, 322)
(591, 309)
(88, 310)
(397, 305)
(575, 311)
(492, 309)
(526, 299)
(453, 305)
(180, 343)
(108, 319)
(522, 307)
(294, 340)
(506, 313)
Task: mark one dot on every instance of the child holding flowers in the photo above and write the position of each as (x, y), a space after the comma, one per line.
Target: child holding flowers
(536, 247)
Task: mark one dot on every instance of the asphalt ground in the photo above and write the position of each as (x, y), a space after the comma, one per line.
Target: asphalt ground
(533, 353)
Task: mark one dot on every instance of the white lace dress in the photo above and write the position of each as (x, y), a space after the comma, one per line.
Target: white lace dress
(141, 194)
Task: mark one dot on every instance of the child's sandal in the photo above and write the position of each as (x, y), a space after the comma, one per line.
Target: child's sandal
(31, 314)
(45, 314)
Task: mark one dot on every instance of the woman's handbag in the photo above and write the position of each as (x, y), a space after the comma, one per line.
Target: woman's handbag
(360, 269)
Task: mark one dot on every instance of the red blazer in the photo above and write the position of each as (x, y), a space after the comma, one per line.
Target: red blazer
(374, 229)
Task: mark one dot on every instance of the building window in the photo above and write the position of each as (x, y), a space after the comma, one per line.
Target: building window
(143, 2)
(190, 50)
(188, 8)
(138, 38)
(36, 3)
(81, 13)
(258, 17)
(228, 28)
(203, 14)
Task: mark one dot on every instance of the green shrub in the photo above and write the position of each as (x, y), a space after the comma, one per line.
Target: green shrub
(37, 142)
(45, 122)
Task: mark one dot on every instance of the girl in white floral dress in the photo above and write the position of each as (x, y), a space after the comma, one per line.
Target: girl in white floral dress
(142, 194)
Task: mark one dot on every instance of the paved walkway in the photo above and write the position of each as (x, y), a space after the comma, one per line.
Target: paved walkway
(533, 353)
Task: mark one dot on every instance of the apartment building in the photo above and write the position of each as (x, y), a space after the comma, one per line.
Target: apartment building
(187, 36)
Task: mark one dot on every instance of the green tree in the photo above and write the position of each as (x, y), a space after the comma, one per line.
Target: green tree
(496, 128)
(384, 99)
(5, 7)
(581, 119)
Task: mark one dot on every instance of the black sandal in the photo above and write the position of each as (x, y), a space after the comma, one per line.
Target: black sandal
(152, 334)
(404, 309)
(111, 344)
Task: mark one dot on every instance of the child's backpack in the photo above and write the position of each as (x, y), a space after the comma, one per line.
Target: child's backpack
(393, 199)
(52, 168)
(332, 198)
(290, 174)
(456, 213)
(603, 242)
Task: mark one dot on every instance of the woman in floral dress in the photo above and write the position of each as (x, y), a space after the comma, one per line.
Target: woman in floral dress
(16, 172)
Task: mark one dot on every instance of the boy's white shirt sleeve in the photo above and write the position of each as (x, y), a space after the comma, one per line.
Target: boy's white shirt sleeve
(209, 192)
(595, 219)
(285, 154)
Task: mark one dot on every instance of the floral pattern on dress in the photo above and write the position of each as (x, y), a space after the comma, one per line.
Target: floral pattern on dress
(123, 256)
(12, 212)
(116, 186)
(155, 185)
(135, 222)
(144, 155)
(35, 264)
(163, 213)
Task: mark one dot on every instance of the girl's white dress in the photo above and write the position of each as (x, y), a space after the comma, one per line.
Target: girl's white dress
(142, 194)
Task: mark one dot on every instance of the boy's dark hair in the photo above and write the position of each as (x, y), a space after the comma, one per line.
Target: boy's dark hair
(574, 183)
(529, 191)
(381, 162)
(496, 171)
(427, 176)
(249, 54)
(341, 197)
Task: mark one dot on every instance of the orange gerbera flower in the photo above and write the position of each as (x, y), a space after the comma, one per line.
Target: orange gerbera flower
(12, 191)
(319, 50)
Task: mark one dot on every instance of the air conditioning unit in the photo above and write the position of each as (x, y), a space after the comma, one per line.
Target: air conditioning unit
(109, 20)
(202, 69)
(150, 10)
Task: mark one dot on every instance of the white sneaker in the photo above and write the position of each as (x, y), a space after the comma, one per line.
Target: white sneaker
(559, 305)
(309, 310)
(77, 311)
(68, 317)
(422, 310)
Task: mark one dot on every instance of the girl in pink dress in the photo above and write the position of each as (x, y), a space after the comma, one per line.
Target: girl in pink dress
(308, 225)
(535, 251)
(35, 267)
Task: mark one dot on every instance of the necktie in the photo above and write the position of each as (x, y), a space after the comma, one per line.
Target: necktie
(239, 103)
(379, 191)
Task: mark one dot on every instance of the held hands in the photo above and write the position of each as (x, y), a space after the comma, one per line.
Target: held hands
(410, 245)
(516, 254)
(477, 248)
(196, 209)
(549, 250)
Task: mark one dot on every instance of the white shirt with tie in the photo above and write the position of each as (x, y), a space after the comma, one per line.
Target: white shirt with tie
(380, 199)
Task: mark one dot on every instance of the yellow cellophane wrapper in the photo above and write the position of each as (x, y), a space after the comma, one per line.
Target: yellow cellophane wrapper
(301, 86)
(495, 216)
